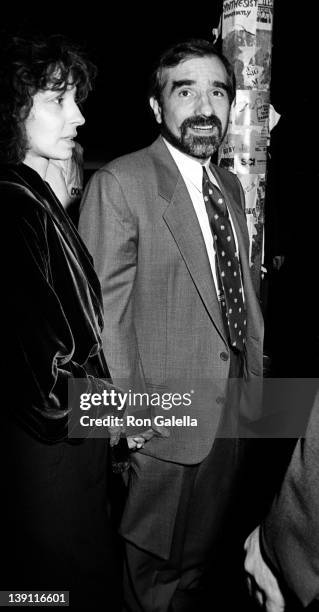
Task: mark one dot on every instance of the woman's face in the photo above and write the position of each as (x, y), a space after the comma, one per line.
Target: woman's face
(51, 127)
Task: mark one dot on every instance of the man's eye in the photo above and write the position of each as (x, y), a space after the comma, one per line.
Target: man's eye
(184, 93)
(218, 92)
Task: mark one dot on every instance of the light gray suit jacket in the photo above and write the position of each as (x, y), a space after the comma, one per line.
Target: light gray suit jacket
(163, 326)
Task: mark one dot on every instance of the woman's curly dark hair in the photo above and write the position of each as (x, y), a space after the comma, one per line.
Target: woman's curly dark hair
(30, 65)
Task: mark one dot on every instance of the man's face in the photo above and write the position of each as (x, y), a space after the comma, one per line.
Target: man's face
(194, 108)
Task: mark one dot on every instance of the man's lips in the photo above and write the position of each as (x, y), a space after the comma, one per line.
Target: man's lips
(202, 128)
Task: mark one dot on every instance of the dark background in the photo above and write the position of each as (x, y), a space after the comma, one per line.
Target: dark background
(125, 43)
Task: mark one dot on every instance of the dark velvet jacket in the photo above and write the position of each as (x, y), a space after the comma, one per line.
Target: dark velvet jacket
(53, 305)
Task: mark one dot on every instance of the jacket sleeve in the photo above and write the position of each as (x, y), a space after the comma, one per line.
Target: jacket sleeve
(290, 533)
(110, 231)
(41, 349)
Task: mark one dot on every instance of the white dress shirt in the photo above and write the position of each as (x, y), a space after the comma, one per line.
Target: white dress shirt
(192, 173)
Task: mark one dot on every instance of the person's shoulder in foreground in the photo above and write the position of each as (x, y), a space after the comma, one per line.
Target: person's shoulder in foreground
(283, 553)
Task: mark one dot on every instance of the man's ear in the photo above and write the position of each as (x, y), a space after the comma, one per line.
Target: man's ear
(157, 110)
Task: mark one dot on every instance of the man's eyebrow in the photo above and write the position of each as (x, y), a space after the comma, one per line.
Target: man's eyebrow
(187, 82)
(221, 85)
(181, 83)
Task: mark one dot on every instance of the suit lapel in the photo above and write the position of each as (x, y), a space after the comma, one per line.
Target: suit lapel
(181, 219)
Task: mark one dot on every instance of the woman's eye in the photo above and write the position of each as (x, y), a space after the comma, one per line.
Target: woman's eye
(59, 100)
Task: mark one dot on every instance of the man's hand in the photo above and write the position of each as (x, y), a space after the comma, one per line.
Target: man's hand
(137, 441)
(262, 584)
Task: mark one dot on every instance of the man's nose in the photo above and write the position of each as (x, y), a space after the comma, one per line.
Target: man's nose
(204, 105)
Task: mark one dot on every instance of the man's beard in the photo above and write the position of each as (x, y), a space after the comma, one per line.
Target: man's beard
(200, 146)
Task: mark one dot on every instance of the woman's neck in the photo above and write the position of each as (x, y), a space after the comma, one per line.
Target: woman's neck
(39, 164)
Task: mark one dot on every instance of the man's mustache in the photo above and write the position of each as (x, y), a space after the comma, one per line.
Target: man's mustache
(198, 121)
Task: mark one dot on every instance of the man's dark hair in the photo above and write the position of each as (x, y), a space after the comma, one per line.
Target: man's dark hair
(26, 67)
(183, 51)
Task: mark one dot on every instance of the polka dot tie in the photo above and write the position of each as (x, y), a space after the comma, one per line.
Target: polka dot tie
(227, 264)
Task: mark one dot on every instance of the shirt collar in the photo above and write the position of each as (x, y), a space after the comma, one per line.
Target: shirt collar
(190, 168)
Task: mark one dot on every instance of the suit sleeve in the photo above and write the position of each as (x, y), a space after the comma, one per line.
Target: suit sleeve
(110, 231)
(290, 533)
(41, 349)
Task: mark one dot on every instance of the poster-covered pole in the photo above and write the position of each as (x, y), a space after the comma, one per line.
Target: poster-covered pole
(247, 43)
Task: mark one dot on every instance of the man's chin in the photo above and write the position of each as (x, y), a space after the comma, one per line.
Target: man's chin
(200, 148)
(202, 152)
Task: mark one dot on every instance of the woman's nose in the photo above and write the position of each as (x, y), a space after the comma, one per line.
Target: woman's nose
(77, 116)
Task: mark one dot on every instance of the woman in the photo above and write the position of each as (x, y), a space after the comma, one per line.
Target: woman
(58, 530)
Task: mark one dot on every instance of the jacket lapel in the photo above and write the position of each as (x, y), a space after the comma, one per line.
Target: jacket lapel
(182, 222)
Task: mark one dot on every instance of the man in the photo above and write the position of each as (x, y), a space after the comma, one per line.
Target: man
(287, 561)
(150, 229)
